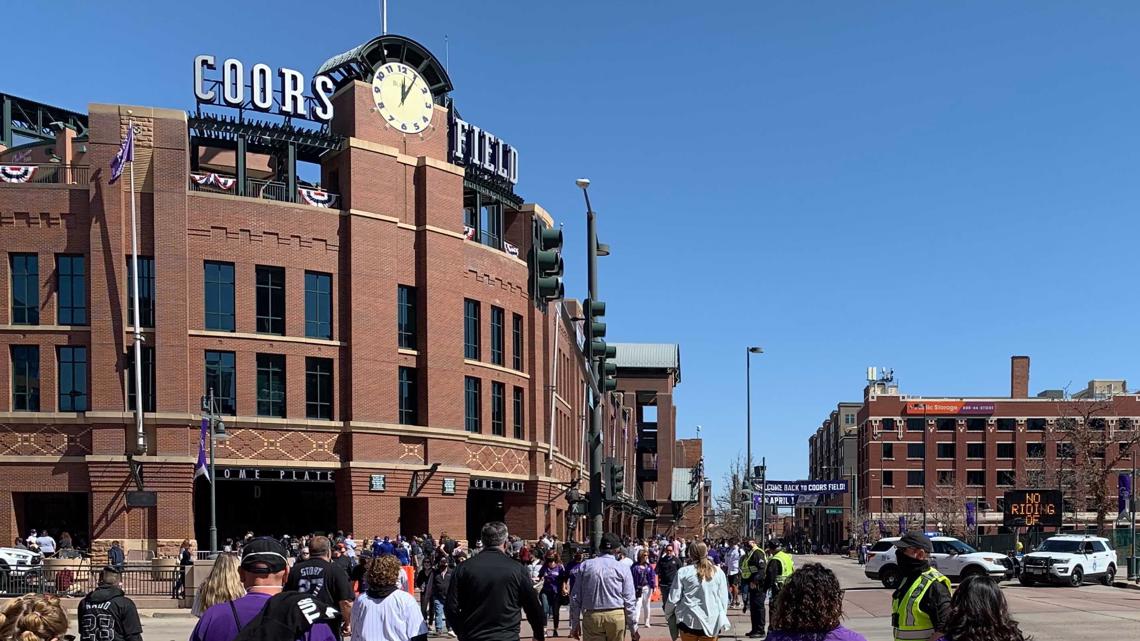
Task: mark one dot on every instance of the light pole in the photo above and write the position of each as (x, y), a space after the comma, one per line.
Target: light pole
(748, 420)
(217, 433)
(1133, 568)
(595, 434)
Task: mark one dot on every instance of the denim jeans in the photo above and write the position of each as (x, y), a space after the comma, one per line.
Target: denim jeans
(440, 621)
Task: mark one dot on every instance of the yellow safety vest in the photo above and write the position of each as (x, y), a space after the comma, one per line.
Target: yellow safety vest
(911, 623)
(787, 566)
(745, 568)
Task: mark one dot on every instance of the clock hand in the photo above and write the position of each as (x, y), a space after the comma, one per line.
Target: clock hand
(404, 95)
(403, 91)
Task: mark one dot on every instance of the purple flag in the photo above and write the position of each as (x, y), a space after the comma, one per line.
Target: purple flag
(1124, 492)
(971, 519)
(200, 467)
(902, 525)
(126, 154)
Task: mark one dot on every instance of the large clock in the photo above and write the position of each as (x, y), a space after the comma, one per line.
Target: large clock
(402, 98)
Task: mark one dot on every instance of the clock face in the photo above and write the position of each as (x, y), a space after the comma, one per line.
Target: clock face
(402, 98)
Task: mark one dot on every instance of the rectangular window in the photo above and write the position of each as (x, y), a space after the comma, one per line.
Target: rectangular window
(945, 450)
(498, 409)
(491, 223)
(25, 378)
(946, 424)
(916, 450)
(219, 294)
(71, 289)
(889, 424)
(1005, 450)
(517, 343)
(271, 385)
(915, 424)
(146, 291)
(975, 450)
(888, 477)
(25, 288)
(409, 401)
(147, 378)
(1006, 478)
(888, 505)
(946, 477)
(72, 367)
(497, 329)
(975, 477)
(975, 425)
(888, 450)
(270, 300)
(1006, 424)
(406, 316)
(319, 388)
(848, 419)
(915, 478)
(1034, 450)
(471, 329)
(1038, 424)
(318, 305)
(221, 377)
(1065, 451)
(472, 404)
(519, 408)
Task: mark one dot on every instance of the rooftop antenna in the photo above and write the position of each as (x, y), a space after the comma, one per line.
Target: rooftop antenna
(446, 55)
(383, 17)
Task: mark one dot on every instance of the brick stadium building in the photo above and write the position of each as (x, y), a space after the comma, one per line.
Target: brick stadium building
(923, 458)
(372, 337)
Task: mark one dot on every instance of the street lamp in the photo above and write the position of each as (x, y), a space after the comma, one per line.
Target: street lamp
(217, 433)
(748, 420)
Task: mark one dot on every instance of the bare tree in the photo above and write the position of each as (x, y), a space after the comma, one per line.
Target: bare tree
(946, 505)
(1092, 442)
(728, 504)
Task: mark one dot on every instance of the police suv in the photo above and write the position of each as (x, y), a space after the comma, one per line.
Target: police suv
(16, 567)
(1070, 559)
(951, 557)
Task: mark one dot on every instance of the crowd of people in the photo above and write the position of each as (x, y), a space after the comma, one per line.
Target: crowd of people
(330, 588)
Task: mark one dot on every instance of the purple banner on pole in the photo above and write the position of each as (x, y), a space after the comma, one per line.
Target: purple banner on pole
(902, 525)
(882, 528)
(866, 527)
(971, 516)
(1124, 485)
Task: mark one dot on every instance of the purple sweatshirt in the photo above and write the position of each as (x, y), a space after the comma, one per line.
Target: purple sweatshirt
(838, 634)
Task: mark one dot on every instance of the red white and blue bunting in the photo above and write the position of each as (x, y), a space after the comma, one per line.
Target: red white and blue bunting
(510, 249)
(17, 173)
(316, 197)
(225, 183)
(469, 232)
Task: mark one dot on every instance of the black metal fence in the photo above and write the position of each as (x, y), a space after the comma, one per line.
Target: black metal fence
(78, 581)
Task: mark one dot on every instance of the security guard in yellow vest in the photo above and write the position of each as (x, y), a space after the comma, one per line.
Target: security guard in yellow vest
(921, 604)
(779, 570)
(752, 566)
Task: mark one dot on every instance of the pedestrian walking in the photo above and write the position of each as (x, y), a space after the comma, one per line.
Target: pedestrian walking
(979, 612)
(732, 572)
(106, 614)
(667, 566)
(319, 577)
(603, 603)
(33, 617)
(185, 560)
(490, 592)
(697, 605)
(555, 588)
(438, 586)
(221, 585)
(644, 582)
(116, 558)
(265, 608)
(385, 612)
(920, 607)
(809, 607)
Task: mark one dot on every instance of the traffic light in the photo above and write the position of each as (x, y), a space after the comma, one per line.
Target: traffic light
(595, 311)
(548, 264)
(619, 478)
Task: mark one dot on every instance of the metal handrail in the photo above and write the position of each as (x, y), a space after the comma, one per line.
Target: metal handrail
(46, 174)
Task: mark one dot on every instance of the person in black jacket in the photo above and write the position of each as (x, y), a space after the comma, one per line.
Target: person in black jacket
(106, 614)
(667, 567)
(437, 586)
(489, 591)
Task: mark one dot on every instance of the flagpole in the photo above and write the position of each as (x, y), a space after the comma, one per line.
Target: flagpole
(140, 435)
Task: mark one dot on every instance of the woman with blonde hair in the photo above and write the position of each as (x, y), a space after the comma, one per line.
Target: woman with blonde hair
(698, 600)
(223, 584)
(33, 617)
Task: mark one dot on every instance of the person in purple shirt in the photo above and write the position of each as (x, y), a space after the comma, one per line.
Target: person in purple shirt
(263, 572)
(603, 604)
(809, 608)
(644, 581)
(555, 582)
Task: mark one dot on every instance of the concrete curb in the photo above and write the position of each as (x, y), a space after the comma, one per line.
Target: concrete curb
(172, 614)
(1125, 585)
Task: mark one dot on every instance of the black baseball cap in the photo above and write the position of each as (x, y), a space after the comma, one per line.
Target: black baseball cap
(915, 540)
(263, 555)
(772, 545)
(610, 542)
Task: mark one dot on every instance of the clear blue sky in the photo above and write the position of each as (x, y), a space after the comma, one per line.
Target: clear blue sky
(927, 186)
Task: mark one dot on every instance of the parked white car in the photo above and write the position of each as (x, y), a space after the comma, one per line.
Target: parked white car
(951, 557)
(16, 567)
(1071, 559)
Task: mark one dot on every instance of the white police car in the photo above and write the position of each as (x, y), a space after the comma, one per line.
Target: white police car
(1071, 559)
(951, 557)
(16, 567)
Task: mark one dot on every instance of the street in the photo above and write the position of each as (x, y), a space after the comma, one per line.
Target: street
(1047, 613)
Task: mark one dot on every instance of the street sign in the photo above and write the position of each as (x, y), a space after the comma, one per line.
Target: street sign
(1032, 507)
(834, 510)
